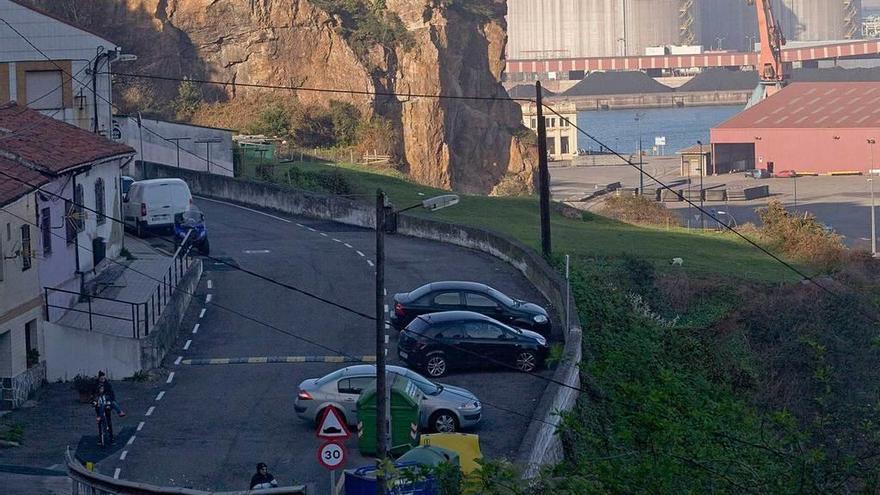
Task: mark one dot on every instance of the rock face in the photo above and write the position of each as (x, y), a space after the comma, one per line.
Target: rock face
(467, 145)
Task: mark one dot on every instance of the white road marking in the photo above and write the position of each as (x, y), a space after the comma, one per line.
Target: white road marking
(313, 230)
(256, 251)
(369, 262)
(150, 411)
(336, 240)
(347, 245)
(386, 308)
(161, 394)
(130, 440)
(324, 234)
(386, 339)
(187, 344)
(360, 254)
(116, 473)
(178, 360)
(123, 456)
(300, 225)
(210, 284)
(171, 375)
(141, 425)
(196, 328)
(385, 291)
(202, 314)
(208, 298)
(246, 208)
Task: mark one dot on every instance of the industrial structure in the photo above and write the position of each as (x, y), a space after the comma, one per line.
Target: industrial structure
(558, 29)
(807, 127)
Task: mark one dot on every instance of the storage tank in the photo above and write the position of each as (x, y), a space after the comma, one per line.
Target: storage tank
(819, 20)
(730, 24)
(564, 28)
(652, 23)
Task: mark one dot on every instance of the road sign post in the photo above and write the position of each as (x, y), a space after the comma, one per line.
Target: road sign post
(332, 456)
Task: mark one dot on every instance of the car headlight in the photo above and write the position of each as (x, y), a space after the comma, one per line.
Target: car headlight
(540, 319)
(470, 405)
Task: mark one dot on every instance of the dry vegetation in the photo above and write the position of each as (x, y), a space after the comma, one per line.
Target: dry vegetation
(638, 210)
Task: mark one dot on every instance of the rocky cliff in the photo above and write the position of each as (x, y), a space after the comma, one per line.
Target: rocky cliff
(452, 48)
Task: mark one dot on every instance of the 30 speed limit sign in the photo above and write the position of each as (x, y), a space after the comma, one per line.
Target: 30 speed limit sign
(331, 455)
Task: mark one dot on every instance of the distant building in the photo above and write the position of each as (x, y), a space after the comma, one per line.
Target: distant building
(65, 77)
(562, 136)
(806, 127)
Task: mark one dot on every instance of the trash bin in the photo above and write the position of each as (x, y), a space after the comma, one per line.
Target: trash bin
(406, 401)
(466, 445)
(362, 481)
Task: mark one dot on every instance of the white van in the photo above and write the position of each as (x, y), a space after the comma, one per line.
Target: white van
(152, 204)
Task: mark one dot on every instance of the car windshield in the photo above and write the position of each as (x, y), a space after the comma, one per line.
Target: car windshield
(191, 216)
(426, 386)
(505, 300)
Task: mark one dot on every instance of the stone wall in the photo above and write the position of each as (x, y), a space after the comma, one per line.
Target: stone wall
(540, 445)
(17, 389)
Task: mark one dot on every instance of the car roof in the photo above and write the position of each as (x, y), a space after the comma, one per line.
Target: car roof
(452, 284)
(158, 181)
(366, 369)
(454, 316)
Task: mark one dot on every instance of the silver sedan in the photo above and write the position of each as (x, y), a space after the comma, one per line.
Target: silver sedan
(444, 409)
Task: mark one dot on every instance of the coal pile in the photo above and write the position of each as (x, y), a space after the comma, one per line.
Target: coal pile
(616, 83)
(528, 91)
(721, 80)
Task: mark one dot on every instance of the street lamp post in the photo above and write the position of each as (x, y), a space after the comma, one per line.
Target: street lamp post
(177, 141)
(383, 398)
(871, 143)
(207, 142)
(702, 167)
(641, 162)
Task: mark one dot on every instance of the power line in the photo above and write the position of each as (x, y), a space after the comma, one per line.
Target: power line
(320, 90)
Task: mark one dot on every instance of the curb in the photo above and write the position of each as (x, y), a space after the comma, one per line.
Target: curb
(279, 359)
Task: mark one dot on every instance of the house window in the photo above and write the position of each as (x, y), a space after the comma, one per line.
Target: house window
(99, 202)
(46, 228)
(44, 89)
(25, 247)
(563, 145)
(534, 123)
(551, 146)
(31, 343)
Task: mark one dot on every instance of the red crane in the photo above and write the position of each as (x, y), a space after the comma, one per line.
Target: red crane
(771, 69)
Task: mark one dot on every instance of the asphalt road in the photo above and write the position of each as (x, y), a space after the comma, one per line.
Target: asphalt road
(214, 423)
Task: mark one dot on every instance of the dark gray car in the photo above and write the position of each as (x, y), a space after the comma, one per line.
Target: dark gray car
(444, 409)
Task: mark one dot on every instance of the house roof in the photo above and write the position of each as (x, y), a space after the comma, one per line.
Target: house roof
(11, 189)
(60, 19)
(828, 105)
(49, 144)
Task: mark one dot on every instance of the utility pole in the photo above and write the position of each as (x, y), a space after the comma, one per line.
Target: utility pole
(543, 173)
(381, 392)
(177, 144)
(641, 159)
(207, 142)
(702, 167)
(873, 222)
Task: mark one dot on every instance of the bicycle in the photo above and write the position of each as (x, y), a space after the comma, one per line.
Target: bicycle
(103, 412)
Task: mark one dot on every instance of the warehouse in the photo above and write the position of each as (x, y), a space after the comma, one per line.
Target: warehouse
(806, 127)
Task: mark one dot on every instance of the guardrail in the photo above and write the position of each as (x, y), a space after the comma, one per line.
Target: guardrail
(141, 315)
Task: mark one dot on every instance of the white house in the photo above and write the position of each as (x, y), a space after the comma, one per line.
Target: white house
(69, 80)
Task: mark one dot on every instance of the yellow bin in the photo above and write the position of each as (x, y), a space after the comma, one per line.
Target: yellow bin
(466, 445)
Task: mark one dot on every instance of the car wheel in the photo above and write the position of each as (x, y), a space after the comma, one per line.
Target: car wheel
(436, 365)
(443, 422)
(526, 361)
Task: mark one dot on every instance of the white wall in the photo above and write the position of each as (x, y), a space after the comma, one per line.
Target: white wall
(110, 231)
(72, 351)
(59, 42)
(164, 152)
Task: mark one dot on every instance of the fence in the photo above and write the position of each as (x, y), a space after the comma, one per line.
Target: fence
(141, 316)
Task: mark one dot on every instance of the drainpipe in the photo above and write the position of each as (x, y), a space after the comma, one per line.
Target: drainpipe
(97, 62)
(76, 239)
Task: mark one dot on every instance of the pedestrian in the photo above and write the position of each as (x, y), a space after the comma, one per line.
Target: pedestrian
(108, 392)
(262, 479)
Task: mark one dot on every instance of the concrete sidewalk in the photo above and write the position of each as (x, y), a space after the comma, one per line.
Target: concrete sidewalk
(121, 283)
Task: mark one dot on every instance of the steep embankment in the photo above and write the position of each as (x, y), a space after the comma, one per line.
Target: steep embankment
(407, 47)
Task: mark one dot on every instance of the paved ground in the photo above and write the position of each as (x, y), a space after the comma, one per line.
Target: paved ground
(214, 423)
(840, 202)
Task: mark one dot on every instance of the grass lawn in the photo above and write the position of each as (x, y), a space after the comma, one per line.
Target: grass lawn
(593, 237)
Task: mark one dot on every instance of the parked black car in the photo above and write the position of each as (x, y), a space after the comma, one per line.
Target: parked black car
(469, 296)
(438, 342)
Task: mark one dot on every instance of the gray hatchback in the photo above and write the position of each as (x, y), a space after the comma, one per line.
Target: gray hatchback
(445, 408)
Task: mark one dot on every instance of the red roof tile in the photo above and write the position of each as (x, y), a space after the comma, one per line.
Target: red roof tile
(835, 105)
(51, 144)
(11, 189)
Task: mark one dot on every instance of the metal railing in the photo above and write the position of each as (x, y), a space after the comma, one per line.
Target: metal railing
(142, 316)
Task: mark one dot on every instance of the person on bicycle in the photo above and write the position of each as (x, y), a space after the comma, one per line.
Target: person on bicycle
(108, 391)
(102, 405)
(262, 479)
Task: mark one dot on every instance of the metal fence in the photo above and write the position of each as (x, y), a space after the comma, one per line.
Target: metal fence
(140, 316)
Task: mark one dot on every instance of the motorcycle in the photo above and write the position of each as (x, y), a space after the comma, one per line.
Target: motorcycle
(191, 222)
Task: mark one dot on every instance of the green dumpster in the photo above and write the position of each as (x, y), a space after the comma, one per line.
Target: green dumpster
(406, 401)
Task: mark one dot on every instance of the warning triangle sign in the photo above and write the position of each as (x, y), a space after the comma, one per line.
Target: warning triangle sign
(332, 426)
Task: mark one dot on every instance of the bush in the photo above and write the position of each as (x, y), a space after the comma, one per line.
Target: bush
(365, 24)
(346, 118)
(85, 384)
(803, 238)
(188, 101)
(638, 209)
(274, 121)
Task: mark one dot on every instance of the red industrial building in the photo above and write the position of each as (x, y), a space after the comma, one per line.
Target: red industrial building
(806, 127)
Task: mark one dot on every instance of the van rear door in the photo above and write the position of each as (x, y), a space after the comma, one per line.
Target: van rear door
(157, 198)
(180, 197)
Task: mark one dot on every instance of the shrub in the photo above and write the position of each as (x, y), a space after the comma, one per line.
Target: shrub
(85, 384)
(376, 135)
(346, 118)
(189, 99)
(638, 209)
(365, 24)
(274, 121)
(803, 238)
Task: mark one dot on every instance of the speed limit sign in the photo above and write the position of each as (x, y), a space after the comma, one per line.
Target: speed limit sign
(331, 455)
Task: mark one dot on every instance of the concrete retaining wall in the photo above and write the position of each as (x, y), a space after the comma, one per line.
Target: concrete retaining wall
(74, 351)
(540, 445)
(163, 334)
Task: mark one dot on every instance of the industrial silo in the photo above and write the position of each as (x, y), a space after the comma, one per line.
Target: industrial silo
(564, 28)
(819, 20)
(652, 23)
(728, 25)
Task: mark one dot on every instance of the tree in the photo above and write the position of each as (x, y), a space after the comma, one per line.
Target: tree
(273, 121)
(346, 119)
(189, 99)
